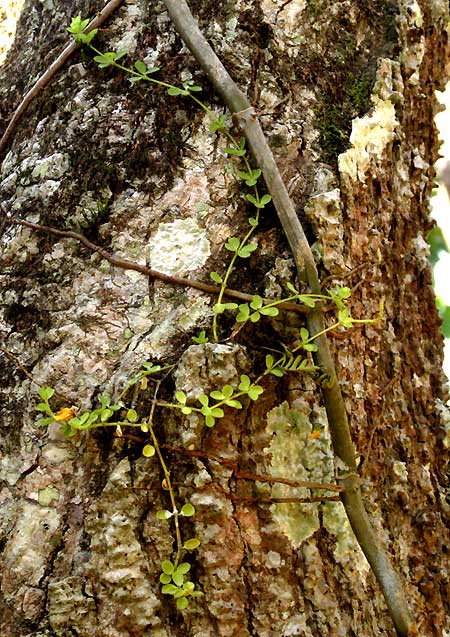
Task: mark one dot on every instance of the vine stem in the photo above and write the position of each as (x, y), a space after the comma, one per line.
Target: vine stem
(245, 117)
(166, 474)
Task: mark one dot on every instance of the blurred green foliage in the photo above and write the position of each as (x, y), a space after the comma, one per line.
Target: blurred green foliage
(438, 245)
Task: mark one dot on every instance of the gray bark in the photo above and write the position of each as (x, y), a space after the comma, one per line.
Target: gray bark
(137, 172)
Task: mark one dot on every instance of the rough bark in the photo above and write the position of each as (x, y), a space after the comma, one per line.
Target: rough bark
(137, 172)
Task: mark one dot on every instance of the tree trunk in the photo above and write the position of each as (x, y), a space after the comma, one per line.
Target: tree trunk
(345, 94)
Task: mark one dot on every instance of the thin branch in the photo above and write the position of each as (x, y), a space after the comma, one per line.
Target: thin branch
(245, 117)
(256, 477)
(42, 82)
(154, 274)
(269, 500)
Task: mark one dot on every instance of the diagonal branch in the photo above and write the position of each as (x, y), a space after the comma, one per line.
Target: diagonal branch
(244, 116)
(153, 274)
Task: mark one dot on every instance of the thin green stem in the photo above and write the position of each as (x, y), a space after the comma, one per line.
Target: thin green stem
(166, 472)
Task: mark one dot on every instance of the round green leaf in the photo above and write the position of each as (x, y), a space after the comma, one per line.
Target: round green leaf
(187, 510)
(148, 451)
(182, 603)
(191, 544)
(167, 567)
(165, 578)
(181, 397)
(183, 568)
(163, 514)
(132, 415)
(178, 578)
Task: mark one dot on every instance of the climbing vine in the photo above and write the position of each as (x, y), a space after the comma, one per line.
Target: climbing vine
(212, 406)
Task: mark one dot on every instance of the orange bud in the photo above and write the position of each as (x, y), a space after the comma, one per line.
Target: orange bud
(314, 435)
(66, 413)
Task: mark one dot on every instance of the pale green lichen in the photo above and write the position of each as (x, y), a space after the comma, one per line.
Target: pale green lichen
(178, 247)
(294, 453)
(48, 495)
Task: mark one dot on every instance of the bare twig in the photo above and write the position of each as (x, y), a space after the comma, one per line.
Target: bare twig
(42, 82)
(256, 477)
(245, 117)
(154, 274)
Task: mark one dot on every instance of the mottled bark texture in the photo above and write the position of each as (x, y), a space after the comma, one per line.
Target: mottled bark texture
(345, 94)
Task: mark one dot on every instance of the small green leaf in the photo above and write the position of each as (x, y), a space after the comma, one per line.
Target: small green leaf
(46, 392)
(182, 603)
(276, 371)
(165, 578)
(307, 300)
(140, 67)
(167, 567)
(183, 568)
(233, 403)
(210, 421)
(245, 251)
(191, 544)
(187, 510)
(201, 339)
(304, 334)
(105, 59)
(236, 152)
(269, 311)
(255, 391)
(132, 415)
(43, 422)
(253, 221)
(169, 589)
(219, 308)
(174, 91)
(178, 578)
(256, 302)
(148, 451)
(269, 361)
(163, 514)
(189, 85)
(107, 413)
(216, 277)
(186, 410)
(291, 288)
(311, 347)
(233, 244)
(203, 399)
(265, 199)
(67, 431)
(244, 313)
(218, 124)
(227, 391)
(43, 407)
(181, 397)
(245, 383)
